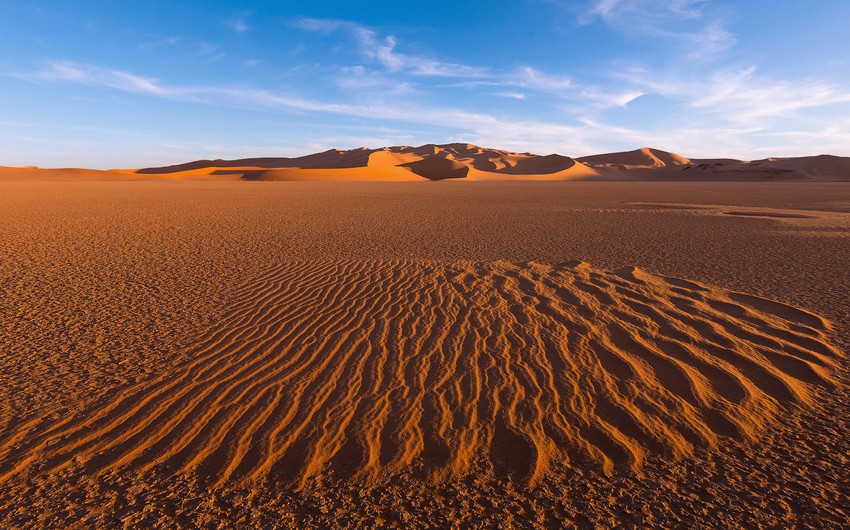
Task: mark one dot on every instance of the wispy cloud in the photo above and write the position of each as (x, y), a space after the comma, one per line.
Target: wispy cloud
(744, 95)
(390, 67)
(240, 26)
(76, 128)
(644, 14)
(160, 43)
(210, 52)
(512, 95)
(690, 23)
(739, 94)
(98, 76)
(457, 123)
(239, 23)
(359, 78)
(238, 97)
(740, 100)
(529, 77)
(382, 50)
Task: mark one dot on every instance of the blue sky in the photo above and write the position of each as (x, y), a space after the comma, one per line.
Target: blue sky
(131, 83)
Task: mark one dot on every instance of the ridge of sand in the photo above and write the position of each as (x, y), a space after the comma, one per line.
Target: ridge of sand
(823, 167)
(361, 369)
(363, 174)
(429, 162)
(644, 157)
(32, 173)
(468, 162)
(644, 164)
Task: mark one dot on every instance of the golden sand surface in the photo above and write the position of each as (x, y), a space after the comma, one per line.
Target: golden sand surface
(321, 354)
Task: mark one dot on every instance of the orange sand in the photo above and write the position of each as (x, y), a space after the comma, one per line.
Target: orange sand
(372, 354)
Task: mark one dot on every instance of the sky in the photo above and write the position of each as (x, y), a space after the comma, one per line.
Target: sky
(103, 84)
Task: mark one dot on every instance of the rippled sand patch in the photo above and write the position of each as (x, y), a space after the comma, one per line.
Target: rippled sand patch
(361, 369)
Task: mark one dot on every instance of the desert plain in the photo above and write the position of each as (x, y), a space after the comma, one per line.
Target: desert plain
(207, 346)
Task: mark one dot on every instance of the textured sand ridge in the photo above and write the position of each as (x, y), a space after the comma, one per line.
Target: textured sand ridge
(363, 368)
(464, 162)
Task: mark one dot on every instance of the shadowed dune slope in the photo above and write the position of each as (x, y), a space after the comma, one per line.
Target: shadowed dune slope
(366, 368)
(438, 168)
(382, 174)
(331, 159)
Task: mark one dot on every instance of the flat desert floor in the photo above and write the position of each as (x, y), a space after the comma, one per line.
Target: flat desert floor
(502, 354)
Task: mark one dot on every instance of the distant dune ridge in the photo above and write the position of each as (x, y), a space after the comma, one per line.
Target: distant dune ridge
(468, 162)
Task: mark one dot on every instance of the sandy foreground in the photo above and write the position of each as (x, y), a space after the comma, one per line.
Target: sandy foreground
(424, 354)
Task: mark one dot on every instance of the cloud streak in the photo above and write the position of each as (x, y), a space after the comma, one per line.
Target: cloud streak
(739, 95)
(382, 50)
(741, 100)
(690, 23)
(514, 83)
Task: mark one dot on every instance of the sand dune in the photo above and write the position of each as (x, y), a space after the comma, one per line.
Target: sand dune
(361, 369)
(62, 174)
(364, 174)
(821, 167)
(454, 162)
(470, 162)
(438, 168)
(427, 162)
(640, 158)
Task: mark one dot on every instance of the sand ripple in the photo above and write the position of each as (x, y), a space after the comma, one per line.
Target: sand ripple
(366, 368)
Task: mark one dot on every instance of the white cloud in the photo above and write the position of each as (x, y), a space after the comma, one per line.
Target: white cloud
(744, 96)
(643, 13)
(529, 77)
(239, 26)
(323, 26)
(729, 96)
(512, 95)
(239, 23)
(382, 50)
(98, 76)
(701, 31)
(238, 97)
(739, 95)
(358, 78)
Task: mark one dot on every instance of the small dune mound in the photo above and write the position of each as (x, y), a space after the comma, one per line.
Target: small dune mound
(641, 158)
(821, 167)
(362, 369)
